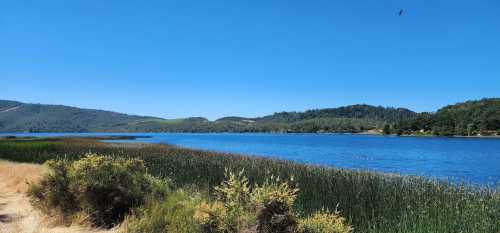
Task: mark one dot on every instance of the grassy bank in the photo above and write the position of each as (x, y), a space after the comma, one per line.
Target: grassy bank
(371, 202)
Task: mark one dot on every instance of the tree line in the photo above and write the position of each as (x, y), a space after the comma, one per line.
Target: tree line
(471, 118)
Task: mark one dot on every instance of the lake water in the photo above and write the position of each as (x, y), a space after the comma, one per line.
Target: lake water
(475, 160)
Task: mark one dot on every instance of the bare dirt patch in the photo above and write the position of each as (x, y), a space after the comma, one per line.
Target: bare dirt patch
(11, 109)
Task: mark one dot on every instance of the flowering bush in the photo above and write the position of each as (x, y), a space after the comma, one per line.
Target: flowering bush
(234, 194)
(211, 217)
(274, 202)
(324, 222)
(103, 189)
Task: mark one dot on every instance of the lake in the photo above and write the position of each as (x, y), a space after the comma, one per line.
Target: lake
(474, 160)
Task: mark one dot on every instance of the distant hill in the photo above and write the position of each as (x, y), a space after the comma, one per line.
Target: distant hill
(354, 118)
(469, 118)
(22, 117)
(359, 111)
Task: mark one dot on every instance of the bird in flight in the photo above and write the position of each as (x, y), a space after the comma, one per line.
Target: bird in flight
(401, 12)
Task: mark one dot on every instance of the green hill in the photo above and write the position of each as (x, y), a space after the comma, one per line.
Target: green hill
(354, 118)
(471, 118)
(22, 117)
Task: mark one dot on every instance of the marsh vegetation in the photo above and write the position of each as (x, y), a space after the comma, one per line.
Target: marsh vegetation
(370, 202)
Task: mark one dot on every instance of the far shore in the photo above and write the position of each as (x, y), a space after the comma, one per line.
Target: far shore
(19, 135)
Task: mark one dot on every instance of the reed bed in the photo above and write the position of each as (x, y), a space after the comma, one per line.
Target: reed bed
(371, 202)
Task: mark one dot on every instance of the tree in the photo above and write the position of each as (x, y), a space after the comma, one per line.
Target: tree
(386, 129)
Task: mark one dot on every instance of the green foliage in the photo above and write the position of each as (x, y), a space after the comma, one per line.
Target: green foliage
(102, 188)
(274, 202)
(371, 202)
(56, 118)
(52, 194)
(212, 217)
(234, 191)
(108, 188)
(386, 129)
(274, 190)
(355, 118)
(237, 207)
(174, 214)
(158, 188)
(234, 194)
(324, 222)
(466, 119)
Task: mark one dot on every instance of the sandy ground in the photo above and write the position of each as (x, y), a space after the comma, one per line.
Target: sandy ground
(16, 213)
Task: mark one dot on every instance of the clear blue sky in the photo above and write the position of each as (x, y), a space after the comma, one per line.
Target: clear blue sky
(217, 58)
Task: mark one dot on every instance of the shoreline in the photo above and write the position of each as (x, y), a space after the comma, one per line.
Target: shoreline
(117, 136)
(453, 136)
(131, 144)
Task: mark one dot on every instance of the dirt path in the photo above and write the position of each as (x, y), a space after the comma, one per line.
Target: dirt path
(10, 109)
(16, 213)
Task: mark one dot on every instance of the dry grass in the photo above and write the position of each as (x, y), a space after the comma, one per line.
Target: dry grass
(16, 213)
(14, 176)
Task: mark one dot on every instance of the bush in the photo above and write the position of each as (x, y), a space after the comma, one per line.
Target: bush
(211, 217)
(104, 189)
(174, 214)
(267, 209)
(234, 193)
(52, 194)
(324, 222)
(274, 202)
(107, 189)
(158, 188)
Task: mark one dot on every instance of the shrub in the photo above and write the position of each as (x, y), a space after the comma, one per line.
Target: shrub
(108, 188)
(234, 193)
(158, 188)
(268, 208)
(211, 217)
(324, 222)
(104, 189)
(274, 202)
(174, 214)
(51, 194)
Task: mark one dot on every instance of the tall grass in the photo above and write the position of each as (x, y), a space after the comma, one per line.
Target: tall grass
(371, 202)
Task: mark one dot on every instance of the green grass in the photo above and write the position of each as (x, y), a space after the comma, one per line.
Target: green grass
(371, 202)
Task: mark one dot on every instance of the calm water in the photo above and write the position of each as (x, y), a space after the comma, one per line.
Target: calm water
(459, 159)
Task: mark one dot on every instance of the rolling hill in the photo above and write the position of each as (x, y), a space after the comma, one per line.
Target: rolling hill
(22, 117)
(25, 117)
(480, 117)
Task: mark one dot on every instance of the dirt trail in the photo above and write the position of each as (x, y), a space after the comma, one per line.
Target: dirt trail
(16, 213)
(11, 109)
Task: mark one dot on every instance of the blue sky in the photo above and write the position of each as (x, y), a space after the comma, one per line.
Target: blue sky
(249, 58)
